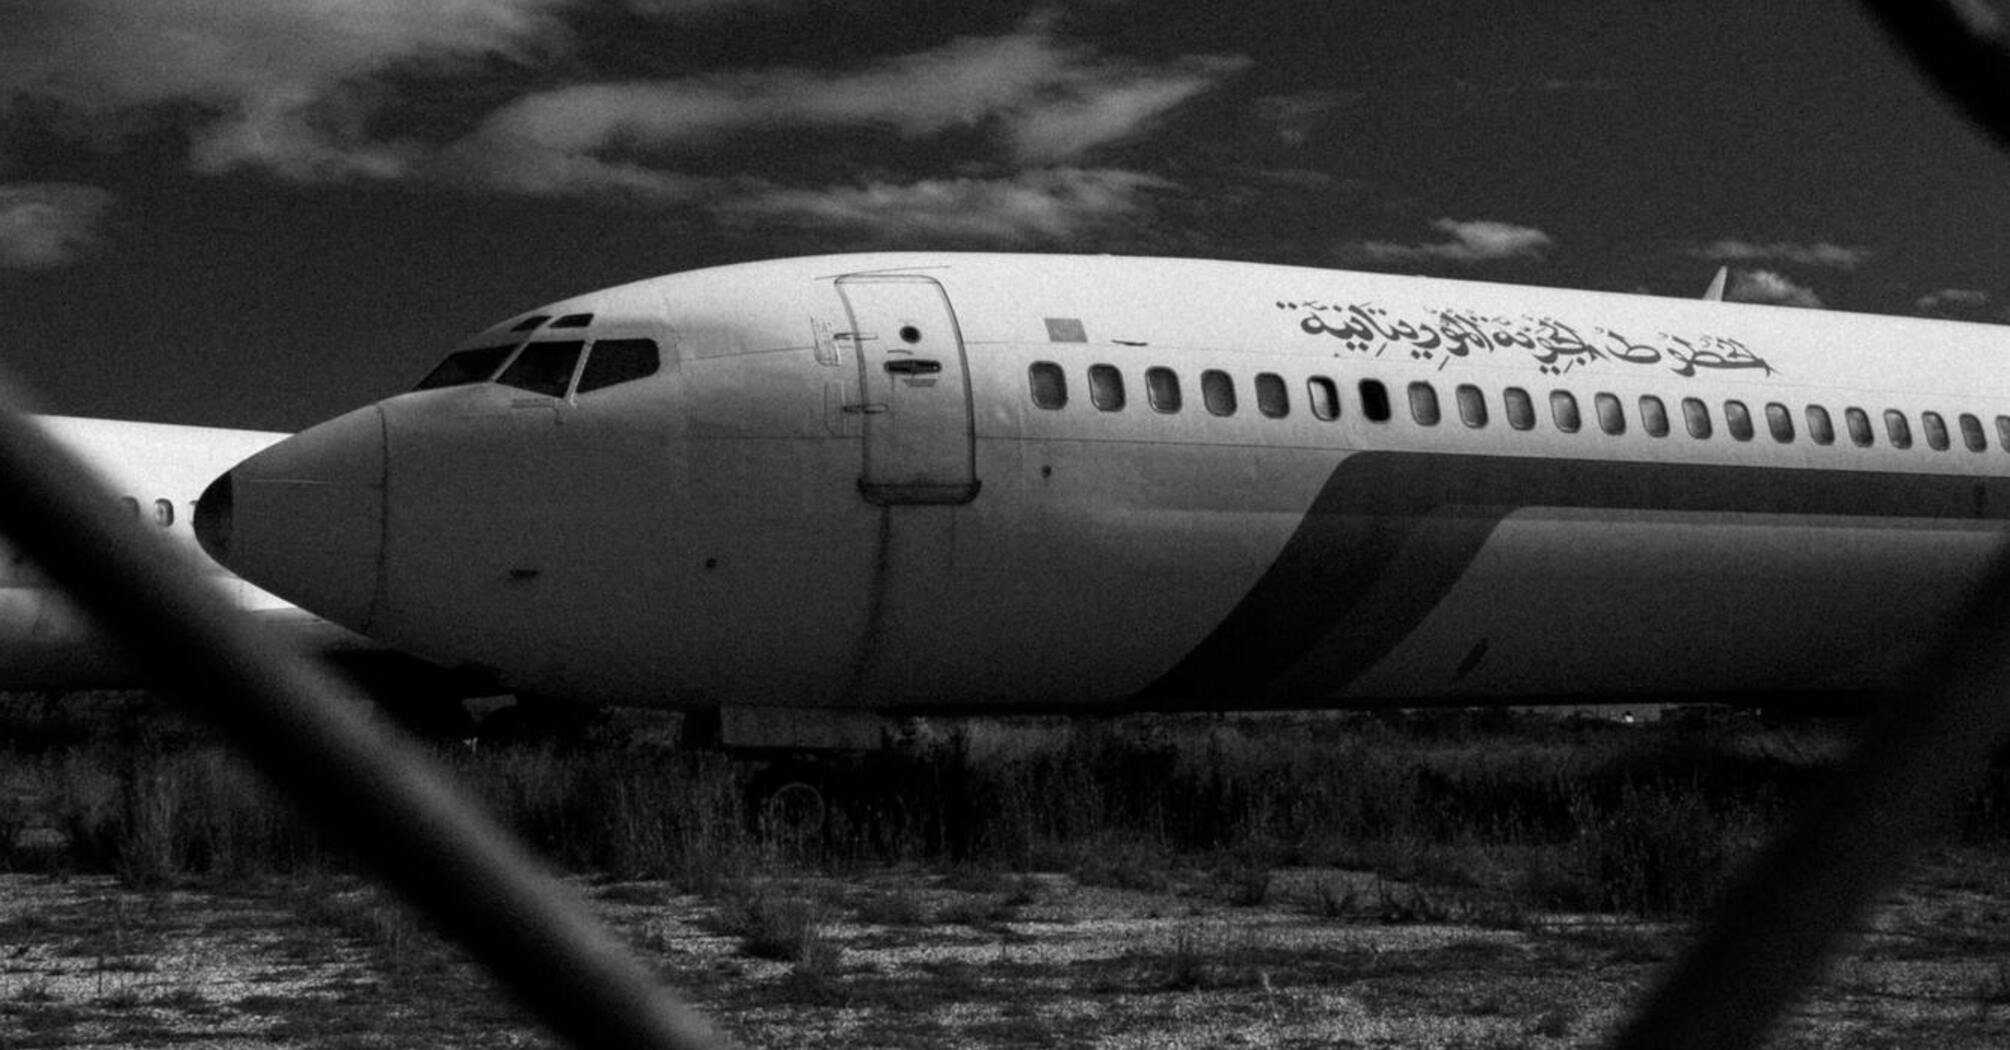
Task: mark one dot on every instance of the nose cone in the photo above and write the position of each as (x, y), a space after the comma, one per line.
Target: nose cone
(304, 519)
(212, 518)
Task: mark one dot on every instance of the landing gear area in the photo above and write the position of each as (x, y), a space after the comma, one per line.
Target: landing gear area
(822, 781)
(804, 810)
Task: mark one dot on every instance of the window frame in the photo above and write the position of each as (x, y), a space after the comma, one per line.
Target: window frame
(1610, 412)
(1423, 400)
(1472, 402)
(1564, 413)
(1106, 387)
(1375, 404)
(1897, 428)
(1780, 422)
(1277, 403)
(1696, 418)
(1323, 394)
(1653, 421)
(1217, 393)
(1059, 375)
(1934, 426)
(1857, 421)
(1738, 420)
(1162, 391)
(1972, 434)
(1821, 426)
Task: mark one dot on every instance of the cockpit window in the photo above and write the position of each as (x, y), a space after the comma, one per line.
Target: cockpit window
(543, 368)
(530, 322)
(467, 366)
(573, 321)
(618, 361)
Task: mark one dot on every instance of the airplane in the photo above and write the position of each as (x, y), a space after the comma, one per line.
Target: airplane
(806, 493)
(47, 644)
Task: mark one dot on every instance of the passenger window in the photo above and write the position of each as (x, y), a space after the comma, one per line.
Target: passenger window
(2003, 432)
(1653, 416)
(1611, 414)
(1472, 406)
(543, 368)
(163, 513)
(132, 506)
(1050, 384)
(1696, 415)
(1738, 420)
(1897, 429)
(1217, 391)
(1424, 404)
(1936, 430)
(1325, 397)
(1563, 411)
(614, 361)
(1272, 399)
(1520, 408)
(1781, 422)
(1821, 430)
(1106, 388)
(1972, 435)
(465, 367)
(1374, 400)
(1858, 422)
(1162, 389)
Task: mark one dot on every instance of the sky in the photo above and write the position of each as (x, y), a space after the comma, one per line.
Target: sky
(262, 213)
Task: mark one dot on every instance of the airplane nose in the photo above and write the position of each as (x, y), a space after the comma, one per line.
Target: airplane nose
(304, 519)
(212, 518)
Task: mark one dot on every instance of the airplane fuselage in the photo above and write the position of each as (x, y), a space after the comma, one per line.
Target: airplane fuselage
(156, 469)
(1003, 483)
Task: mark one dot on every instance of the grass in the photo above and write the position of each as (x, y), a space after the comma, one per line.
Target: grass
(1535, 812)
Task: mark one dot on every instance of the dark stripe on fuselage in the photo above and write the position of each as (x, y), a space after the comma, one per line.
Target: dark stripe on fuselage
(1390, 533)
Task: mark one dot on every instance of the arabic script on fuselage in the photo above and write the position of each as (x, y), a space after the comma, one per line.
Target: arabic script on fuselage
(1448, 335)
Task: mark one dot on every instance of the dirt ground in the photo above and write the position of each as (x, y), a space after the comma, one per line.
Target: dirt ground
(969, 959)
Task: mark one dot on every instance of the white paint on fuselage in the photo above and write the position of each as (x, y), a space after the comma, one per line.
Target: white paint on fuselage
(699, 537)
(45, 642)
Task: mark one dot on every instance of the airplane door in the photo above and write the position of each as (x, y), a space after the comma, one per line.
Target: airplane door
(920, 446)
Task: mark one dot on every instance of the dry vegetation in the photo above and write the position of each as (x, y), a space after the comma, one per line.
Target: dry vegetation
(1452, 879)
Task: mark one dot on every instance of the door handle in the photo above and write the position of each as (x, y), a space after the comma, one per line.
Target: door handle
(913, 366)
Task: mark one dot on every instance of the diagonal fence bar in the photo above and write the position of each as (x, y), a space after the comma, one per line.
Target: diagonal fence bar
(1810, 890)
(380, 796)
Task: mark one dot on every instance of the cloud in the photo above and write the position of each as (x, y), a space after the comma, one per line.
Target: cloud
(1481, 240)
(1949, 300)
(1818, 253)
(49, 224)
(308, 91)
(1048, 205)
(286, 85)
(1047, 101)
(1767, 286)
